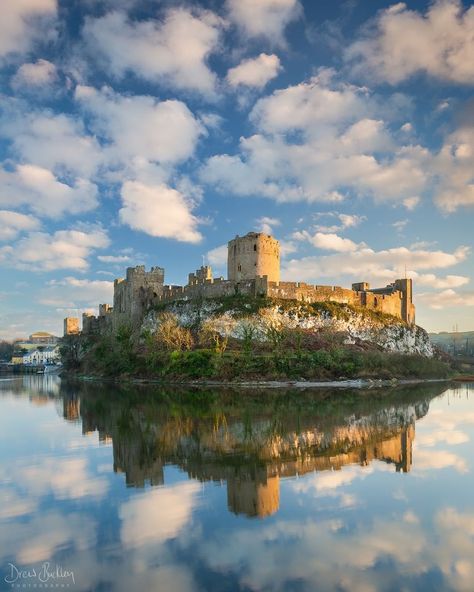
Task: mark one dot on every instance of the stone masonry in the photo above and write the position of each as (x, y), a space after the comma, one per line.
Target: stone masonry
(253, 269)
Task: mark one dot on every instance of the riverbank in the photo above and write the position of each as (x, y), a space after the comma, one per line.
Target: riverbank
(271, 384)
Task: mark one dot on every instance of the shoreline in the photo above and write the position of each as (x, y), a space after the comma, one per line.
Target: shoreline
(361, 383)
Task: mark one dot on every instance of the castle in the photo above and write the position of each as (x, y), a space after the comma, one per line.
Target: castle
(253, 269)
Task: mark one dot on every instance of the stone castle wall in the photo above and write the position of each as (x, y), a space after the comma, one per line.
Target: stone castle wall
(253, 270)
(71, 326)
(134, 294)
(253, 255)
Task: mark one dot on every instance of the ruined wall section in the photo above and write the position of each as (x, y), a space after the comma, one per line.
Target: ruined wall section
(135, 294)
(71, 326)
(312, 293)
(215, 288)
(253, 255)
(98, 325)
(395, 299)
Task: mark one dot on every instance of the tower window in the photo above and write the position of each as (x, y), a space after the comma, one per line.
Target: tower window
(255, 247)
(239, 268)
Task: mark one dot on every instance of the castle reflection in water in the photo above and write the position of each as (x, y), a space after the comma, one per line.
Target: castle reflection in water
(250, 446)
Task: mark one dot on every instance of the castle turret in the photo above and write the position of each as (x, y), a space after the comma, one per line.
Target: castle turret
(71, 326)
(253, 255)
(405, 286)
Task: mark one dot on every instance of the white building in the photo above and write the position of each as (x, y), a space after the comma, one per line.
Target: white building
(42, 356)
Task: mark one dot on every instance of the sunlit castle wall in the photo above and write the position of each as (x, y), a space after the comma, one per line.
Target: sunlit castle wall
(253, 255)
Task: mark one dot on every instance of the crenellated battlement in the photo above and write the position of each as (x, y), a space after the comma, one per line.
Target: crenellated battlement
(253, 267)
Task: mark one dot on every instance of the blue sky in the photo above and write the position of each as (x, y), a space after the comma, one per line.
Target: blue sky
(152, 132)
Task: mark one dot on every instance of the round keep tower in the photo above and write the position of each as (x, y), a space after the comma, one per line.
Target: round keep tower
(253, 255)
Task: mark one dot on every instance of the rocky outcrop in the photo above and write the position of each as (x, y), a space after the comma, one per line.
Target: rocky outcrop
(355, 325)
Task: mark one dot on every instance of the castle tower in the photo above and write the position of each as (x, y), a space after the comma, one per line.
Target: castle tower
(253, 255)
(254, 497)
(134, 294)
(71, 326)
(405, 286)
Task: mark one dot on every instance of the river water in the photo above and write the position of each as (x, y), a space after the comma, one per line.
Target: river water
(138, 488)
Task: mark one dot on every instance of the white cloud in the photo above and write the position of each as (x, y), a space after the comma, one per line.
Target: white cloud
(404, 42)
(12, 223)
(307, 105)
(76, 293)
(344, 221)
(433, 437)
(448, 298)
(57, 142)
(265, 18)
(426, 460)
(65, 249)
(265, 224)
(141, 126)
(411, 202)
(45, 534)
(23, 22)
(400, 225)
(157, 515)
(255, 72)
(66, 478)
(37, 74)
(44, 193)
(315, 141)
(12, 505)
(323, 140)
(449, 281)
(328, 241)
(159, 210)
(370, 265)
(114, 258)
(218, 256)
(454, 165)
(173, 51)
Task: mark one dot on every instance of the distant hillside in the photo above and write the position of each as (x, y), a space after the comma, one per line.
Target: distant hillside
(454, 342)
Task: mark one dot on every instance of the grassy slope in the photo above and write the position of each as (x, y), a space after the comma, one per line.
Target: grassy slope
(314, 357)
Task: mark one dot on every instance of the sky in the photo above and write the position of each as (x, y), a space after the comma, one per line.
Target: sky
(152, 132)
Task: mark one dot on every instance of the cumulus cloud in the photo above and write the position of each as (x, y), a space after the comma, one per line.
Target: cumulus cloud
(382, 265)
(266, 18)
(218, 256)
(159, 210)
(54, 141)
(323, 140)
(44, 193)
(67, 478)
(314, 141)
(37, 74)
(449, 281)
(64, 249)
(141, 126)
(114, 258)
(327, 241)
(448, 298)
(173, 51)
(23, 22)
(255, 72)
(439, 43)
(344, 221)
(76, 293)
(454, 164)
(266, 224)
(157, 515)
(12, 223)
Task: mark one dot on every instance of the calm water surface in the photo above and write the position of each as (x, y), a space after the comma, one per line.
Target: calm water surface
(114, 489)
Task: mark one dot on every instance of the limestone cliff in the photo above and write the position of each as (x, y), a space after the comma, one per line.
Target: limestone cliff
(355, 325)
